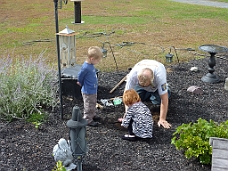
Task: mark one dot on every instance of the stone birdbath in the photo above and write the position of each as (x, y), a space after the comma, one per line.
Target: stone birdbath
(210, 77)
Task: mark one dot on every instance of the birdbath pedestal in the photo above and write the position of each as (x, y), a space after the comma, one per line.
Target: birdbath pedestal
(210, 77)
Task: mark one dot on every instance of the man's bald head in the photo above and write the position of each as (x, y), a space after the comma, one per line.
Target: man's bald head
(145, 77)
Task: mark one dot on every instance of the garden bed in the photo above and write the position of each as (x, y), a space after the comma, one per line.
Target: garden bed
(24, 147)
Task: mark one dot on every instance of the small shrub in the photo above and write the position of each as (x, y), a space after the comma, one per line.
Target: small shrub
(193, 138)
(26, 87)
(37, 119)
(59, 167)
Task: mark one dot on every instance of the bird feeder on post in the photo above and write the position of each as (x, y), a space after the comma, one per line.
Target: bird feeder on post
(77, 12)
(70, 68)
(67, 47)
(78, 144)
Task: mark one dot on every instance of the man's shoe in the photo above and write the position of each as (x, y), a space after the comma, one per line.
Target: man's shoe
(93, 124)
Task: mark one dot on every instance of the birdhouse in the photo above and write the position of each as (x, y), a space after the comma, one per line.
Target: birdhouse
(67, 45)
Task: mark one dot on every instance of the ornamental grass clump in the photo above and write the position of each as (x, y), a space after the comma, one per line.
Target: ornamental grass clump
(26, 87)
(193, 138)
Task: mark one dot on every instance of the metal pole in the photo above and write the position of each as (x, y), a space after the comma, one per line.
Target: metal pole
(58, 54)
(79, 163)
(113, 55)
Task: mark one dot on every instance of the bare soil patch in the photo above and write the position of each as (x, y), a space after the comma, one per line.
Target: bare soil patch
(24, 147)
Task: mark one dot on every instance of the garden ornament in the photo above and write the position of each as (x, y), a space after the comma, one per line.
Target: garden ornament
(78, 144)
(210, 77)
(62, 152)
(169, 57)
(105, 52)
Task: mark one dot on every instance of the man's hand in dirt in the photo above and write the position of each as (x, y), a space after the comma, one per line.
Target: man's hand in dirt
(164, 123)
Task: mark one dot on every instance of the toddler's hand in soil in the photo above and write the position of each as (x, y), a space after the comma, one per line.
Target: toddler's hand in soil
(164, 123)
(120, 119)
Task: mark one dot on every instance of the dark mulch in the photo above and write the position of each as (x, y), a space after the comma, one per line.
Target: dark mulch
(26, 148)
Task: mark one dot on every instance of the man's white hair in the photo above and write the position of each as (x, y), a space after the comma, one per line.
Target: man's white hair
(144, 75)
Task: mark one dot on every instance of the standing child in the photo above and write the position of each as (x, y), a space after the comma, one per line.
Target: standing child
(138, 118)
(87, 79)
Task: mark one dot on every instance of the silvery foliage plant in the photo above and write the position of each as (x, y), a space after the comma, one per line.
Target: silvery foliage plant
(27, 86)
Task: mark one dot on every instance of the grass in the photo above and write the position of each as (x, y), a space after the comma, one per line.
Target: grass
(152, 28)
(222, 0)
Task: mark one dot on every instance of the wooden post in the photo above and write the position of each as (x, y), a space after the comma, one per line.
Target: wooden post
(77, 12)
(219, 154)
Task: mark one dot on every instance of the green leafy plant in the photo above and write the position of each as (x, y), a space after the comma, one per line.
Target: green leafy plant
(193, 138)
(27, 87)
(37, 119)
(59, 167)
(37, 124)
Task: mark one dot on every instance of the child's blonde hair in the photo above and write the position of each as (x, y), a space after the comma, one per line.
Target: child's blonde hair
(143, 77)
(130, 97)
(95, 52)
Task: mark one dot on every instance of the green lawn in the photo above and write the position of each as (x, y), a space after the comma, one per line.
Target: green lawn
(152, 26)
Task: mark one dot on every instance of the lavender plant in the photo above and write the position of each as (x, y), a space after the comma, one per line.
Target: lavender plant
(26, 87)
